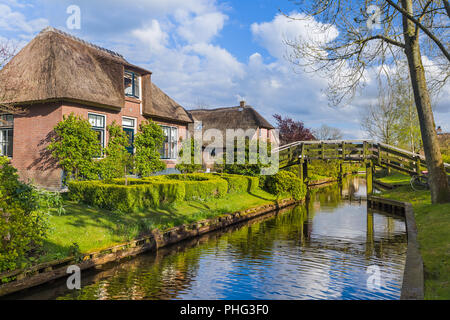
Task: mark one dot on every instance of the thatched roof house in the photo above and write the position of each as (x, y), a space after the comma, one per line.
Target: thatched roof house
(57, 74)
(56, 66)
(240, 117)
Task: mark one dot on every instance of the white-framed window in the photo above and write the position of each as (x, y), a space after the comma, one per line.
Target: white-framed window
(170, 145)
(98, 123)
(6, 134)
(132, 82)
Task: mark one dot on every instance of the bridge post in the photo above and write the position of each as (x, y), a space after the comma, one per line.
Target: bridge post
(305, 170)
(369, 177)
(341, 170)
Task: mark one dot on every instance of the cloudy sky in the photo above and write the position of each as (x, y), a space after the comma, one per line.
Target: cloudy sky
(206, 53)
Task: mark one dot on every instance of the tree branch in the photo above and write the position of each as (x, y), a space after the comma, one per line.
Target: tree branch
(447, 7)
(421, 26)
(386, 39)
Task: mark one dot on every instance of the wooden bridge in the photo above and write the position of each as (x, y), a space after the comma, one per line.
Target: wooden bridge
(366, 151)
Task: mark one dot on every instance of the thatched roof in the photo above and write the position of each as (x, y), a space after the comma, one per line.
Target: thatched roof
(165, 107)
(56, 66)
(245, 117)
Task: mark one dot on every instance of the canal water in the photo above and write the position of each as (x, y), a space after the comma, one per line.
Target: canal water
(329, 248)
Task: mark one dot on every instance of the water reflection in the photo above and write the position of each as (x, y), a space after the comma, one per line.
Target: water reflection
(317, 251)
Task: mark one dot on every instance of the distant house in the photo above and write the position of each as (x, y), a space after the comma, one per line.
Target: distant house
(57, 74)
(240, 117)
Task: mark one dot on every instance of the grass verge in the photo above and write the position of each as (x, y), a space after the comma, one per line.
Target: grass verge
(433, 224)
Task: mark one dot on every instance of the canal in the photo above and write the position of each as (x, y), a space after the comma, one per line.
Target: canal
(329, 248)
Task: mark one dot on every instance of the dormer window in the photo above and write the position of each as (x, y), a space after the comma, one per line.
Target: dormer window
(132, 83)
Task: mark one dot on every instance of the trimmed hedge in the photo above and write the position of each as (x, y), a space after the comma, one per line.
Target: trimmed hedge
(150, 192)
(118, 197)
(238, 183)
(201, 186)
(285, 182)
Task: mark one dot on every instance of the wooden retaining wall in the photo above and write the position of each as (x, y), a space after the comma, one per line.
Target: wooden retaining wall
(43, 273)
(413, 276)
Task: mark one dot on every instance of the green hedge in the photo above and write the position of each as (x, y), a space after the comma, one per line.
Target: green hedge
(150, 192)
(285, 182)
(238, 183)
(200, 186)
(118, 197)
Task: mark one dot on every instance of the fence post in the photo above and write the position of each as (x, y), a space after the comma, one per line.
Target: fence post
(369, 177)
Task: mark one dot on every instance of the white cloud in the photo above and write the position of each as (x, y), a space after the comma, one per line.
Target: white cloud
(152, 36)
(15, 21)
(272, 35)
(201, 28)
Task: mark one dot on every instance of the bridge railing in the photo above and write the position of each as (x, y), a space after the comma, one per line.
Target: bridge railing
(353, 150)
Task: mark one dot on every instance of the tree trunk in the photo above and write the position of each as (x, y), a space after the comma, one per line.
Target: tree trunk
(440, 190)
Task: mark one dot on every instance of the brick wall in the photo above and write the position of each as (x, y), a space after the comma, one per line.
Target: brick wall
(32, 134)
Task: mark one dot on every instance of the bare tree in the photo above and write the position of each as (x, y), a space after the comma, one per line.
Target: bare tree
(380, 119)
(326, 132)
(7, 51)
(378, 33)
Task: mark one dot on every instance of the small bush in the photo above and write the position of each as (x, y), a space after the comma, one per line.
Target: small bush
(285, 182)
(23, 218)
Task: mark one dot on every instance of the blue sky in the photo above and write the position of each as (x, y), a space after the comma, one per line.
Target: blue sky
(205, 53)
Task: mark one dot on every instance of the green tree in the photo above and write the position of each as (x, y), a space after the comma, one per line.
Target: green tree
(117, 161)
(23, 217)
(148, 142)
(75, 147)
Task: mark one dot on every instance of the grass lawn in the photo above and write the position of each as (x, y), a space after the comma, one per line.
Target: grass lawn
(433, 223)
(94, 229)
(395, 178)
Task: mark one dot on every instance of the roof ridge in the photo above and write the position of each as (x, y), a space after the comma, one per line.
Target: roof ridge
(89, 44)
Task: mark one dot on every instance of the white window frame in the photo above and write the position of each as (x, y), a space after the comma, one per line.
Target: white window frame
(134, 127)
(9, 129)
(104, 129)
(175, 155)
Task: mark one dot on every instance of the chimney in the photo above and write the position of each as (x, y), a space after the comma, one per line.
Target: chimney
(242, 104)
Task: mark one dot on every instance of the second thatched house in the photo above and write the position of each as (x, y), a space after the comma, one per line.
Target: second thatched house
(238, 119)
(57, 74)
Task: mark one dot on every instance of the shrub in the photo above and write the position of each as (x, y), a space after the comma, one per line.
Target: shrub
(148, 142)
(118, 160)
(75, 146)
(23, 217)
(285, 182)
(239, 183)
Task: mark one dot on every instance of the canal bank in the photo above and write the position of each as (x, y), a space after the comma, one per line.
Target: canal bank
(326, 243)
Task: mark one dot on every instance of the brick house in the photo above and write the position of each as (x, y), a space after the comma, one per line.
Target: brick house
(57, 74)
